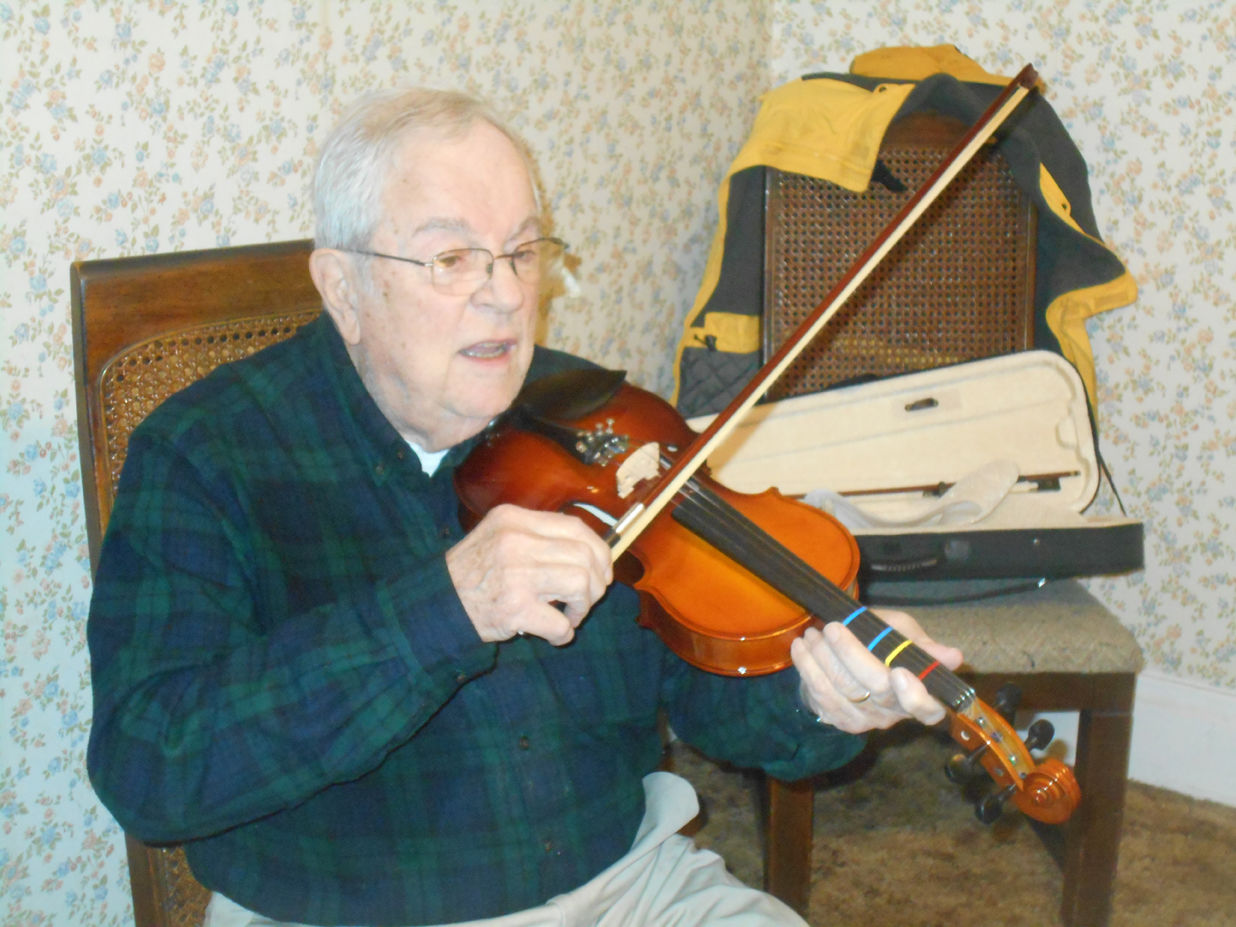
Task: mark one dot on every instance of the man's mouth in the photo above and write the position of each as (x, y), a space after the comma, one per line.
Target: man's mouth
(487, 350)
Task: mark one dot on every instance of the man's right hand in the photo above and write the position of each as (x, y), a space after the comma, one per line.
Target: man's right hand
(514, 569)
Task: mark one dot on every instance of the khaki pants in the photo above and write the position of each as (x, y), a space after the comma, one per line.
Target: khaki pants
(663, 880)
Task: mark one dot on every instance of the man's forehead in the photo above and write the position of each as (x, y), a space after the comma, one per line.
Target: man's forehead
(442, 174)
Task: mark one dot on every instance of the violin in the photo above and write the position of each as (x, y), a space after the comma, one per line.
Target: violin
(729, 580)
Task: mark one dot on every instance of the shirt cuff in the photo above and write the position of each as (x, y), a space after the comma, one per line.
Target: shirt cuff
(435, 635)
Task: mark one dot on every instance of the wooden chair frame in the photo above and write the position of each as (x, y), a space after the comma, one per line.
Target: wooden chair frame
(142, 327)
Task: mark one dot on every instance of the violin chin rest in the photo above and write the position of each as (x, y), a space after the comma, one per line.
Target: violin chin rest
(569, 395)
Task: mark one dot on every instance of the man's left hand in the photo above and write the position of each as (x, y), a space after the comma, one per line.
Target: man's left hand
(849, 688)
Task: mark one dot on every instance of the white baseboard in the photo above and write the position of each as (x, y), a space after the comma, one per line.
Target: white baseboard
(1184, 737)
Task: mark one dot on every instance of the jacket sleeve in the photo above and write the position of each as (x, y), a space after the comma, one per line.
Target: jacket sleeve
(754, 722)
(208, 713)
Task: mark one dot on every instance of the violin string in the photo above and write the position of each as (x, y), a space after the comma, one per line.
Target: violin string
(828, 600)
(711, 515)
(868, 627)
(773, 555)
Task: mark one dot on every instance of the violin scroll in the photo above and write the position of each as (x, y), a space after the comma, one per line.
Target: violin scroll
(1045, 790)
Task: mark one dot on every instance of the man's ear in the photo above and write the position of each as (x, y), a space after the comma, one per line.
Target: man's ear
(334, 275)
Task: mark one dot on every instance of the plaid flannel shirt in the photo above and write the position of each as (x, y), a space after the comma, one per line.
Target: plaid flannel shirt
(286, 682)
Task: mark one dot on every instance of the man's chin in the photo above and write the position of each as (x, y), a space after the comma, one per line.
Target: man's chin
(474, 419)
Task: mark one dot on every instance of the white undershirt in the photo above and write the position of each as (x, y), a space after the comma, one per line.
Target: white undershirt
(429, 460)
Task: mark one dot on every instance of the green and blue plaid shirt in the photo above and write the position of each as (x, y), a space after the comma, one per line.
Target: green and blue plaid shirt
(286, 682)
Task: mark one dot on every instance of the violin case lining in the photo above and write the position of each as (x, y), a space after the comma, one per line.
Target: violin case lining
(934, 427)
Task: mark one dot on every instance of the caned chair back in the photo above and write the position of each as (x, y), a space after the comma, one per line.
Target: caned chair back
(144, 328)
(959, 286)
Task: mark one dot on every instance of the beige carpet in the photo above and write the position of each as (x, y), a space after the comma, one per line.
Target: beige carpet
(897, 845)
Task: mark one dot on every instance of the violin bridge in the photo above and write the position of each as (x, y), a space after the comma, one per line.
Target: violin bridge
(642, 464)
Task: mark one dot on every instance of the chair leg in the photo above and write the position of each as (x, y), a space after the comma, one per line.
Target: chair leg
(787, 852)
(143, 883)
(1092, 836)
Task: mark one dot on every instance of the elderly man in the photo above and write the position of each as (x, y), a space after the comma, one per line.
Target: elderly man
(351, 711)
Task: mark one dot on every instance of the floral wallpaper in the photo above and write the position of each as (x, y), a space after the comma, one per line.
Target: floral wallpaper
(141, 126)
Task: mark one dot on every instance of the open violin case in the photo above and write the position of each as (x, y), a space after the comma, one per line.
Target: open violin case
(980, 470)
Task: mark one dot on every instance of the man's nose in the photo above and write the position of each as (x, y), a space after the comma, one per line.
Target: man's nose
(503, 291)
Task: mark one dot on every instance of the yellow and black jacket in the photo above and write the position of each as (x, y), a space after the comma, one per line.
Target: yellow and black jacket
(830, 127)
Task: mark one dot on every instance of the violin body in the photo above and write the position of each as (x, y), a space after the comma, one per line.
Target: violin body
(704, 605)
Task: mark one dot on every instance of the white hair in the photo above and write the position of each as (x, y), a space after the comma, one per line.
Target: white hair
(351, 174)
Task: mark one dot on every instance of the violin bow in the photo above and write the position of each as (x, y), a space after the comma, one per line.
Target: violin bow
(667, 486)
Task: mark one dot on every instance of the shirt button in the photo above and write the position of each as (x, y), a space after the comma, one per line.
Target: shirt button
(524, 743)
(444, 532)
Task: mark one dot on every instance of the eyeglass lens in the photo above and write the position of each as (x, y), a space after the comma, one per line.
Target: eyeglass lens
(463, 268)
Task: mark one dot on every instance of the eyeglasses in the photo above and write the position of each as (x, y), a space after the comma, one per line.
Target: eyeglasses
(463, 271)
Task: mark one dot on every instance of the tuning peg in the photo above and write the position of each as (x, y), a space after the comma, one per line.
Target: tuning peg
(962, 767)
(990, 807)
(1006, 700)
(1039, 734)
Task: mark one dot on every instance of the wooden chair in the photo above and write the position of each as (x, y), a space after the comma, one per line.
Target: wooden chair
(144, 328)
(960, 286)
